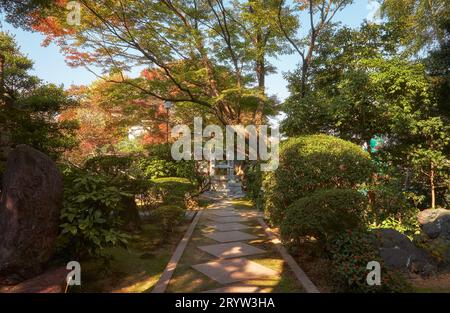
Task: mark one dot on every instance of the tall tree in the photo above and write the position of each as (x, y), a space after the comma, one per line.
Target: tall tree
(341, 100)
(211, 53)
(320, 14)
(361, 88)
(29, 114)
(421, 21)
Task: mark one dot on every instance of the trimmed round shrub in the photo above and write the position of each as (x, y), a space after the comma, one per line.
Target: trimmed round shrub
(169, 216)
(322, 215)
(309, 163)
(173, 190)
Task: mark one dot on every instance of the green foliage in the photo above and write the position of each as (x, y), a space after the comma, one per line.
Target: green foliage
(160, 151)
(130, 146)
(20, 13)
(154, 168)
(169, 216)
(122, 172)
(335, 75)
(361, 87)
(429, 157)
(420, 21)
(159, 163)
(109, 164)
(407, 225)
(157, 168)
(90, 218)
(313, 162)
(36, 130)
(135, 175)
(439, 248)
(174, 190)
(30, 110)
(254, 182)
(191, 60)
(350, 252)
(16, 69)
(322, 215)
(437, 67)
(390, 205)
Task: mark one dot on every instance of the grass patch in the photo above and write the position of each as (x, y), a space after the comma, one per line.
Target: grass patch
(242, 204)
(135, 269)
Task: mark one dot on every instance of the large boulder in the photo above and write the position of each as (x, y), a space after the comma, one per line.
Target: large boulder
(435, 223)
(436, 226)
(31, 199)
(398, 252)
(431, 215)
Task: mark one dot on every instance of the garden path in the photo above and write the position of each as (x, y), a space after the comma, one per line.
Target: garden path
(233, 250)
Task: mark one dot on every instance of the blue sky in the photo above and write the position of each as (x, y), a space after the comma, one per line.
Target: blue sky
(49, 63)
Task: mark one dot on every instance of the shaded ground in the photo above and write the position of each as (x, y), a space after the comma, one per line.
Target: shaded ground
(318, 269)
(136, 269)
(438, 283)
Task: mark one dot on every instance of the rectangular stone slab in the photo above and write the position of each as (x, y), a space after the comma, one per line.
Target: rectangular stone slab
(231, 250)
(228, 226)
(228, 219)
(225, 213)
(234, 270)
(229, 236)
(222, 207)
(241, 288)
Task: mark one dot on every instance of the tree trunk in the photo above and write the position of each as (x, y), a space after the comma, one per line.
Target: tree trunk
(433, 187)
(2, 80)
(369, 148)
(305, 65)
(261, 75)
(130, 214)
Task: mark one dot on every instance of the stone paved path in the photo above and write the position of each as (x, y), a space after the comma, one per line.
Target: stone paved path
(230, 251)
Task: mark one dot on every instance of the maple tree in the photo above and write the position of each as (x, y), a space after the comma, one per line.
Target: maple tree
(210, 53)
(106, 116)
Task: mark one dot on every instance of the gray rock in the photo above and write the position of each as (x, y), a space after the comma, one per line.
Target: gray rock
(398, 252)
(30, 203)
(445, 227)
(432, 230)
(435, 223)
(430, 215)
(395, 257)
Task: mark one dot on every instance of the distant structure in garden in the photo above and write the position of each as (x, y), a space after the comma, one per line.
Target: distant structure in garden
(224, 179)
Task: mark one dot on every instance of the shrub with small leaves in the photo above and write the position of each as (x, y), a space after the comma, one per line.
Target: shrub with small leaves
(438, 248)
(253, 182)
(169, 216)
(156, 168)
(350, 252)
(173, 190)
